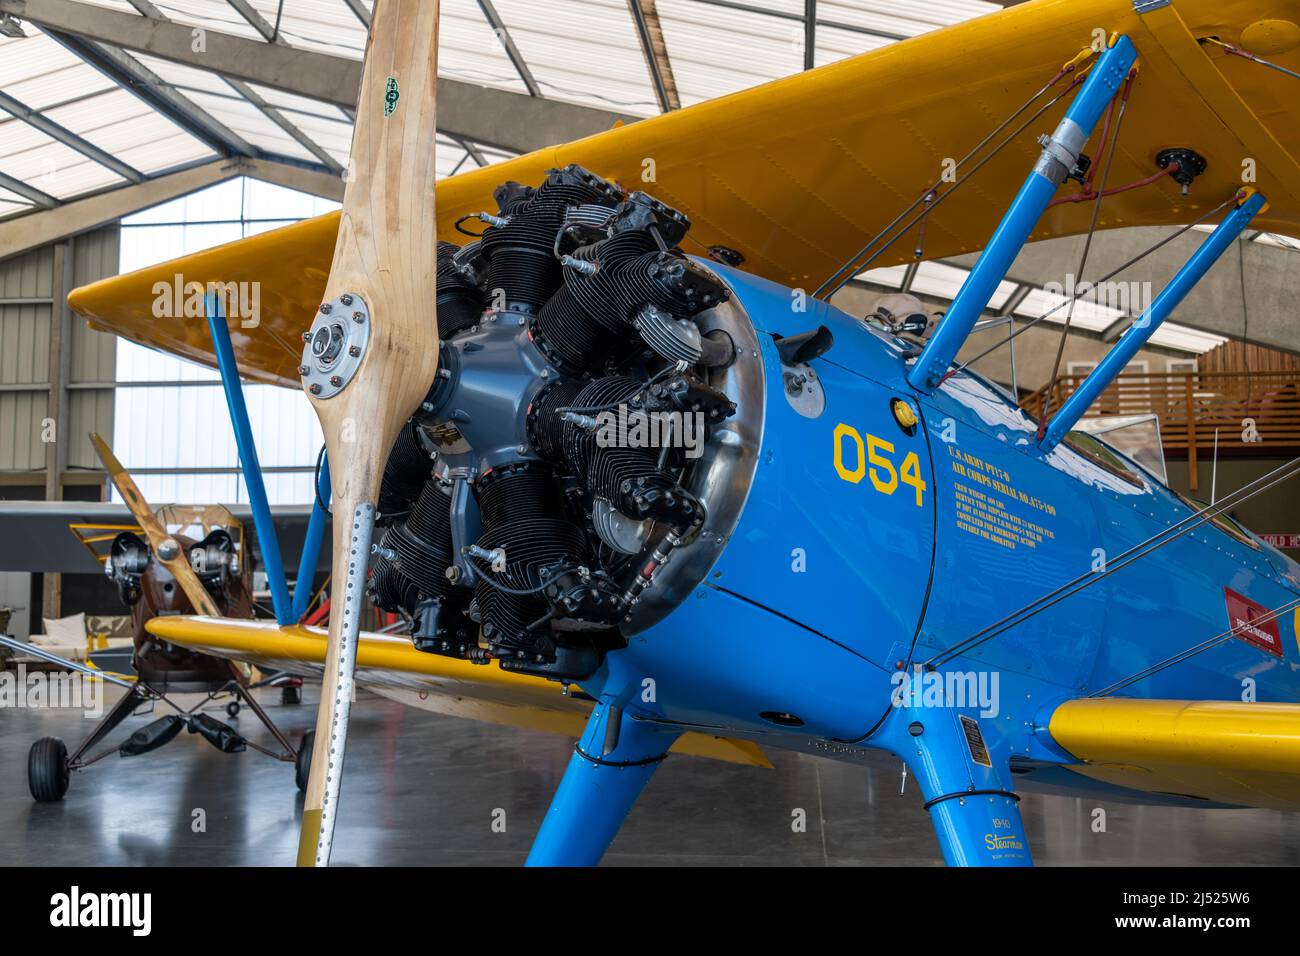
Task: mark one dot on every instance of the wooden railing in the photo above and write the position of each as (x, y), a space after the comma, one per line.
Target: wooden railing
(1250, 410)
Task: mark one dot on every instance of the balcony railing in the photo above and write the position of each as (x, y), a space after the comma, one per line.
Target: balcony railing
(1250, 410)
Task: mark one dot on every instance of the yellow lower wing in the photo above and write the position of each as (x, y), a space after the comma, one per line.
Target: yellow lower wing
(392, 666)
(1235, 753)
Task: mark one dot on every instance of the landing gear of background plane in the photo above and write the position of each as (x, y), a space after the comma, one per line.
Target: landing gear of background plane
(290, 694)
(47, 770)
(49, 764)
(302, 764)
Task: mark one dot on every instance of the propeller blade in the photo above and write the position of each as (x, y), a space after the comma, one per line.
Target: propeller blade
(165, 548)
(373, 348)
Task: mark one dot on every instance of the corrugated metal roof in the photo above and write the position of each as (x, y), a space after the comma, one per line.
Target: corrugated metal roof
(120, 124)
(46, 164)
(717, 50)
(468, 49)
(325, 25)
(210, 14)
(581, 51)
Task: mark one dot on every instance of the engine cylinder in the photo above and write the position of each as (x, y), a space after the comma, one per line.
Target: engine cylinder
(524, 521)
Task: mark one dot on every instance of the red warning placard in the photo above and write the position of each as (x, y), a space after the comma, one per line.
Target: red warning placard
(1247, 620)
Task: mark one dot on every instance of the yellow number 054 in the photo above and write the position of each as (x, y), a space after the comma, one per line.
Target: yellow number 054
(867, 460)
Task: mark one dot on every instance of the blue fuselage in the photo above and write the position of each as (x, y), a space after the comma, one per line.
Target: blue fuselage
(865, 547)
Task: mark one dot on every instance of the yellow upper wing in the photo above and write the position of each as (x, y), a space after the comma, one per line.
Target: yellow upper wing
(1226, 752)
(797, 174)
(392, 664)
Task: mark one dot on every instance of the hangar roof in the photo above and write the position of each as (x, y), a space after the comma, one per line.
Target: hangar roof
(80, 115)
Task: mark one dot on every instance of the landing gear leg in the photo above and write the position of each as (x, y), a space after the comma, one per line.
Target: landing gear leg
(610, 766)
(48, 763)
(966, 782)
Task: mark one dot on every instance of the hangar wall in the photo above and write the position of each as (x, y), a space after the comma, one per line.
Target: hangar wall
(51, 369)
(27, 304)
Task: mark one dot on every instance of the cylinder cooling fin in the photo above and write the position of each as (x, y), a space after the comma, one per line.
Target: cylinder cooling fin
(591, 381)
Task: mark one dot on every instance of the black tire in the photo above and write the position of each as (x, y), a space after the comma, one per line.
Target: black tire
(47, 770)
(290, 694)
(302, 766)
(232, 708)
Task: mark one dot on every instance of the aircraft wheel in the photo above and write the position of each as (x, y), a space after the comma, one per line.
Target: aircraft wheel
(302, 766)
(47, 770)
(290, 694)
(232, 708)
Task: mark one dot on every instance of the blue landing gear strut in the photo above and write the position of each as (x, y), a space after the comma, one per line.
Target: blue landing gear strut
(610, 766)
(965, 779)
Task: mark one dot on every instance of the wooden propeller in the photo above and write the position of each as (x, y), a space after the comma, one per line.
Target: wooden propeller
(165, 548)
(373, 349)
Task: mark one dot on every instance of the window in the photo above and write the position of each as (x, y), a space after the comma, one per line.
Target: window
(171, 426)
(1099, 454)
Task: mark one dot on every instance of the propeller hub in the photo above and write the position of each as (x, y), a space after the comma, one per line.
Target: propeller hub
(333, 348)
(168, 548)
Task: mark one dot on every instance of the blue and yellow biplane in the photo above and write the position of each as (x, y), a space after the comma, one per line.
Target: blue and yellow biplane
(870, 547)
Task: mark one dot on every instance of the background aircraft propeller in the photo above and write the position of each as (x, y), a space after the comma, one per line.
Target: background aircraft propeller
(165, 548)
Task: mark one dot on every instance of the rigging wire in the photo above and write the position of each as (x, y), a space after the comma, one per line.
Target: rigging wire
(1085, 291)
(1247, 55)
(846, 271)
(1142, 549)
(1190, 652)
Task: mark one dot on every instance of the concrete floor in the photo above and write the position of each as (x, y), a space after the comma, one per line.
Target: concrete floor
(423, 789)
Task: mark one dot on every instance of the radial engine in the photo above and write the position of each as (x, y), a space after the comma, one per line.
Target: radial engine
(584, 429)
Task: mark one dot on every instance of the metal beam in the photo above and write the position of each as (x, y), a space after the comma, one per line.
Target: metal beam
(68, 138)
(60, 366)
(290, 176)
(655, 52)
(30, 193)
(472, 149)
(136, 78)
(799, 17)
(306, 72)
(809, 34)
(20, 234)
(269, 33)
(1015, 300)
(278, 118)
(909, 276)
(246, 92)
(359, 9)
(515, 122)
(502, 34)
(147, 8)
(512, 121)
